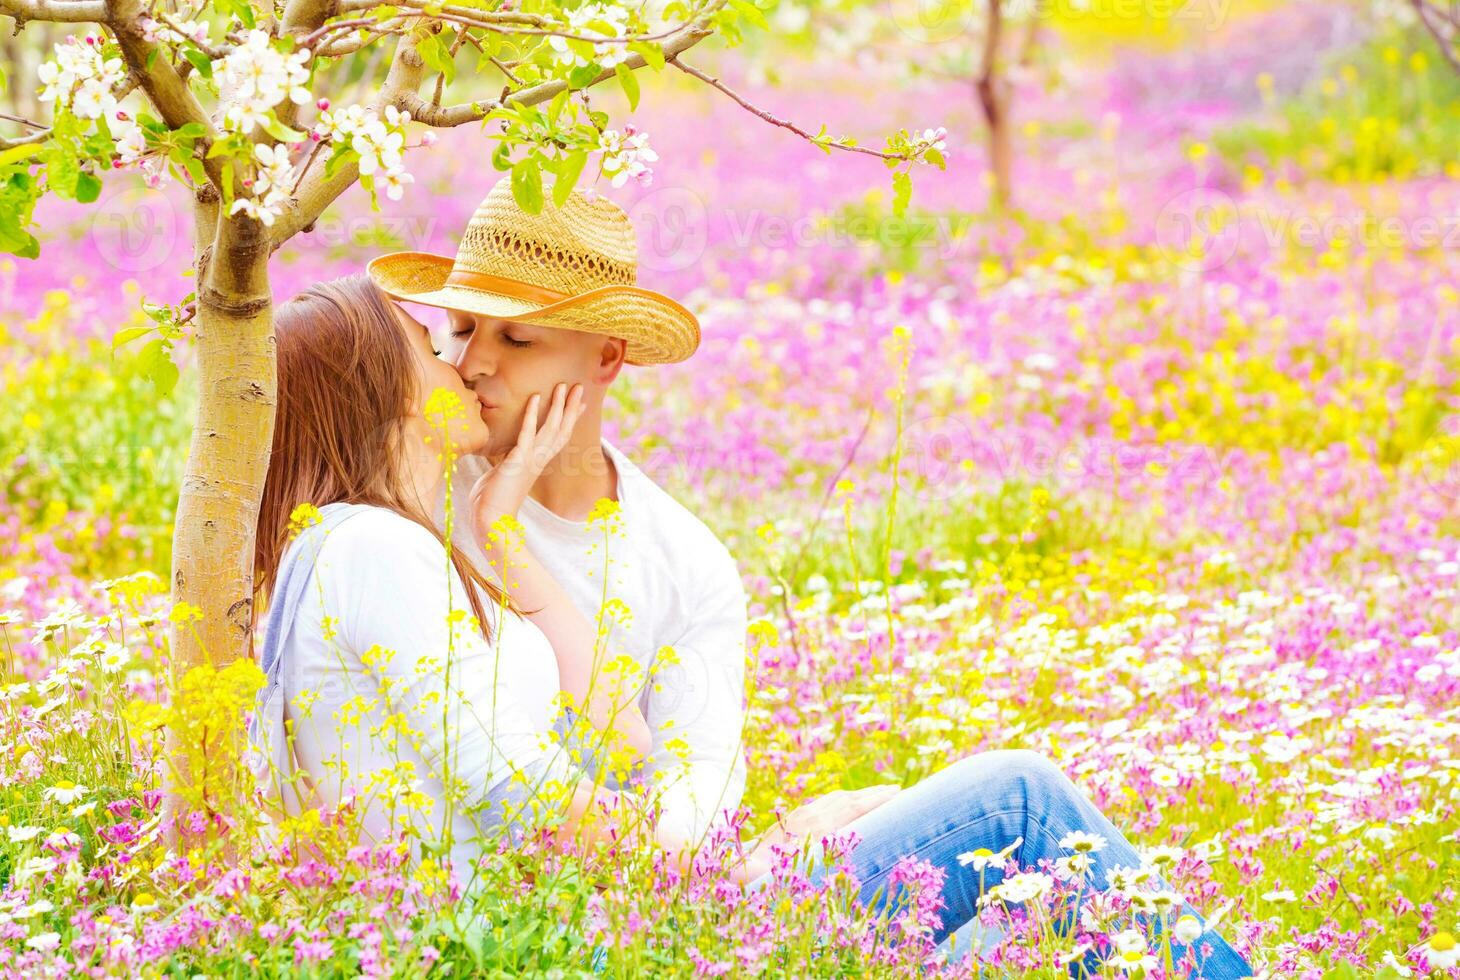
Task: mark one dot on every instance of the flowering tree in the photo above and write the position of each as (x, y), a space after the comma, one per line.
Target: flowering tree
(216, 96)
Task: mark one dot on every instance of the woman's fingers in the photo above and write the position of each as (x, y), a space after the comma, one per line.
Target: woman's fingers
(555, 412)
(528, 435)
(567, 408)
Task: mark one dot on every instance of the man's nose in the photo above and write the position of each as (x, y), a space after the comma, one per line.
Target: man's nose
(475, 360)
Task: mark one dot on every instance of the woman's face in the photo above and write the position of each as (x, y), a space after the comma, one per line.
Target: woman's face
(464, 426)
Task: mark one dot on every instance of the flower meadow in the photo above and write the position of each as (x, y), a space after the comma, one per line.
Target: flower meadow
(1156, 473)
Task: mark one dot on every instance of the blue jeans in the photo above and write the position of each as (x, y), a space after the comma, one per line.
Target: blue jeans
(990, 800)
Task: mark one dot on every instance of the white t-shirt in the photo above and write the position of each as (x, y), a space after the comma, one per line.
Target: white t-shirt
(681, 589)
(470, 713)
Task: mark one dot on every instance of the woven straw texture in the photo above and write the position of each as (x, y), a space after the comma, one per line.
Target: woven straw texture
(585, 250)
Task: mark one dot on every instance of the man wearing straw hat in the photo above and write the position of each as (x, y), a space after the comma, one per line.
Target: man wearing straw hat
(535, 301)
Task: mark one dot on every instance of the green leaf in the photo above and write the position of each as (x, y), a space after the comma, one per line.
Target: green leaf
(199, 60)
(527, 185)
(192, 164)
(501, 156)
(279, 131)
(88, 187)
(583, 75)
(629, 82)
(155, 361)
(901, 192)
(62, 165)
(436, 54)
(368, 182)
(341, 155)
(18, 153)
(935, 158)
(506, 113)
(192, 130)
(569, 167)
(751, 13)
(123, 337)
(241, 9)
(17, 241)
(226, 174)
(652, 52)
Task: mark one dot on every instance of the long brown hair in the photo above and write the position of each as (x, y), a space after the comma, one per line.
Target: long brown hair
(347, 377)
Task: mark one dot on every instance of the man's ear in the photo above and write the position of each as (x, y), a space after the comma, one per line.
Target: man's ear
(611, 355)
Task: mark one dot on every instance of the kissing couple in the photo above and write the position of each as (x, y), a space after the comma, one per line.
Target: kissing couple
(482, 618)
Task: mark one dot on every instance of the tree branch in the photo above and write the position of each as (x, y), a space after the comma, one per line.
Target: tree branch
(154, 73)
(304, 16)
(1447, 44)
(407, 70)
(56, 11)
(993, 35)
(301, 19)
(776, 120)
(316, 191)
(488, 18)
(40, 136)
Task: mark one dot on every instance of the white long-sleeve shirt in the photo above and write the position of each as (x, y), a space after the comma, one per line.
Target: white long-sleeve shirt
(380, 693)
(681, 589)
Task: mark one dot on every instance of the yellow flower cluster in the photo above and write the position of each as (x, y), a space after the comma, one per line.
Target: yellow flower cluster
(206, 716)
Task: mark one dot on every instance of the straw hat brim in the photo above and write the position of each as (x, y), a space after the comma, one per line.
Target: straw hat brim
(656, 329)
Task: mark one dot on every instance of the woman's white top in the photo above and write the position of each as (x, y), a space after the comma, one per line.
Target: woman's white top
(392, 691)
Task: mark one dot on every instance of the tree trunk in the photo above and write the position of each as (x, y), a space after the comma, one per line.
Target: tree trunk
(993, 98)
(1001, 149)
(217, 509)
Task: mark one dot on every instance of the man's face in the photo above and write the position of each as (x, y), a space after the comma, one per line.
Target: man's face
(505, 362)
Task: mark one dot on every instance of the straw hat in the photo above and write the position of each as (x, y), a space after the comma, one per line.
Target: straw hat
(574, 267)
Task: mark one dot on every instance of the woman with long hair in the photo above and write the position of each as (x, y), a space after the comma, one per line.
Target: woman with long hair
(373, 625)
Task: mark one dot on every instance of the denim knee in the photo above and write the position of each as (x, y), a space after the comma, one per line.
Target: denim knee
(1027, 772)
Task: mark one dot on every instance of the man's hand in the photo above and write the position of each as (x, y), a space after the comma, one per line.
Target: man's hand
(830, 813)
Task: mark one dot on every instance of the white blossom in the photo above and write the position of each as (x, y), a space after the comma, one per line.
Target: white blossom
(255, 77)
(81, 79)
(606, 55)
(626, 155)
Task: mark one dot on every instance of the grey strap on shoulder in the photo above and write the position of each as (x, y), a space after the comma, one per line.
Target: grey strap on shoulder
(270, 739)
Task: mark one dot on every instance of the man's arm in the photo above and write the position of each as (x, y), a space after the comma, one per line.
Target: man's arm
(696, 705)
